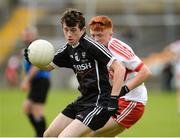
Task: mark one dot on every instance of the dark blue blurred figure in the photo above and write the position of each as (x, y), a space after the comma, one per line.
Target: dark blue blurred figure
(167, 77)
(36, 83)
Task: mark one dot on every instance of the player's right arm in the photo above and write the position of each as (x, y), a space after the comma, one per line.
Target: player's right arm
(60, 60)
(132, 63)
(25, 85)
(47, 68)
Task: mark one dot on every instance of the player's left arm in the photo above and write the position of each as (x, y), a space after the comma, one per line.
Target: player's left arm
(118, 77)
(143, 73)
(133, 63)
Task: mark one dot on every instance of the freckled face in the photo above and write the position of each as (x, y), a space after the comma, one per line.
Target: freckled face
(102, 37)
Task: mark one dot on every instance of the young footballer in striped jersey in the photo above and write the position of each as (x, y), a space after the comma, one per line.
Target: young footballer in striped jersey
(90, 61)
(133, 96)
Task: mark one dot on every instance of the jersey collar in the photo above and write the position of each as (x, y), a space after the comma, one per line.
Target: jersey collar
(74, 46)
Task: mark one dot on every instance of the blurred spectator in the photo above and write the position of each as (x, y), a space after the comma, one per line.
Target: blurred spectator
(127, 34)
(167, 77)
(174, 49)
(36, 83)
(171, 53)
(11, 71)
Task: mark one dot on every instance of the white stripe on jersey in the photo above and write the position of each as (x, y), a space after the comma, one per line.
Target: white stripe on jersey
(98, 82)
(61, 49)
(97, 109)
(96, 43)
(126, 111)
(99, 46)
(121, 48)
(90, 116)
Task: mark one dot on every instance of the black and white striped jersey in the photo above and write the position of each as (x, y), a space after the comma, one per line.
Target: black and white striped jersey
(90, 61)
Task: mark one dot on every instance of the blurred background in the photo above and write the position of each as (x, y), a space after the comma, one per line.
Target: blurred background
(148, 26)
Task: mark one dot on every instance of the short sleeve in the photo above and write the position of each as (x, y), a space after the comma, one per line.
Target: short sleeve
(61, 58)
(125, 54)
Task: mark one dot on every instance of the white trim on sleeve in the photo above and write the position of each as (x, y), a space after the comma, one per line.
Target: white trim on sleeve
(110, 62)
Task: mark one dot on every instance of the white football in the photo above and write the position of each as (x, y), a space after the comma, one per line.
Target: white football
(40, 52)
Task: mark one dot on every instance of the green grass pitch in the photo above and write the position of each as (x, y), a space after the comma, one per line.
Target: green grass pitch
(160, 118)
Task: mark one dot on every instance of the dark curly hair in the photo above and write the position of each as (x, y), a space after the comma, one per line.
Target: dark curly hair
(72, 17)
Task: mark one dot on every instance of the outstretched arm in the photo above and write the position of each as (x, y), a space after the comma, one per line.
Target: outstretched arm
(143, 74)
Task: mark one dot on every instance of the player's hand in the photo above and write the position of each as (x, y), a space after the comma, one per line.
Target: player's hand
(25, 85)
(113, 106)
(124, 90)
(26, 54)
(110, 74)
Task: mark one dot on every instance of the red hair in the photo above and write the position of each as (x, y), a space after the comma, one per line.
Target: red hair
(100, 23)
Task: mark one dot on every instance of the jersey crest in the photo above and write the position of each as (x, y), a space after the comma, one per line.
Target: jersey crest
(76, 56)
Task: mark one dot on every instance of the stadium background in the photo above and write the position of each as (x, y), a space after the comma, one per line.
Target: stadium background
(146, 25)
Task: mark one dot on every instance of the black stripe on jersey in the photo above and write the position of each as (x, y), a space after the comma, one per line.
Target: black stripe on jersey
(99, 46)
(61, 49)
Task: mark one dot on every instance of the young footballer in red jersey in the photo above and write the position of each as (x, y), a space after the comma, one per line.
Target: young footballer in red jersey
(133, 96)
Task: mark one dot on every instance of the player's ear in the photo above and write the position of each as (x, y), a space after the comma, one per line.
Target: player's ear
(111, 34)
(84, 29)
